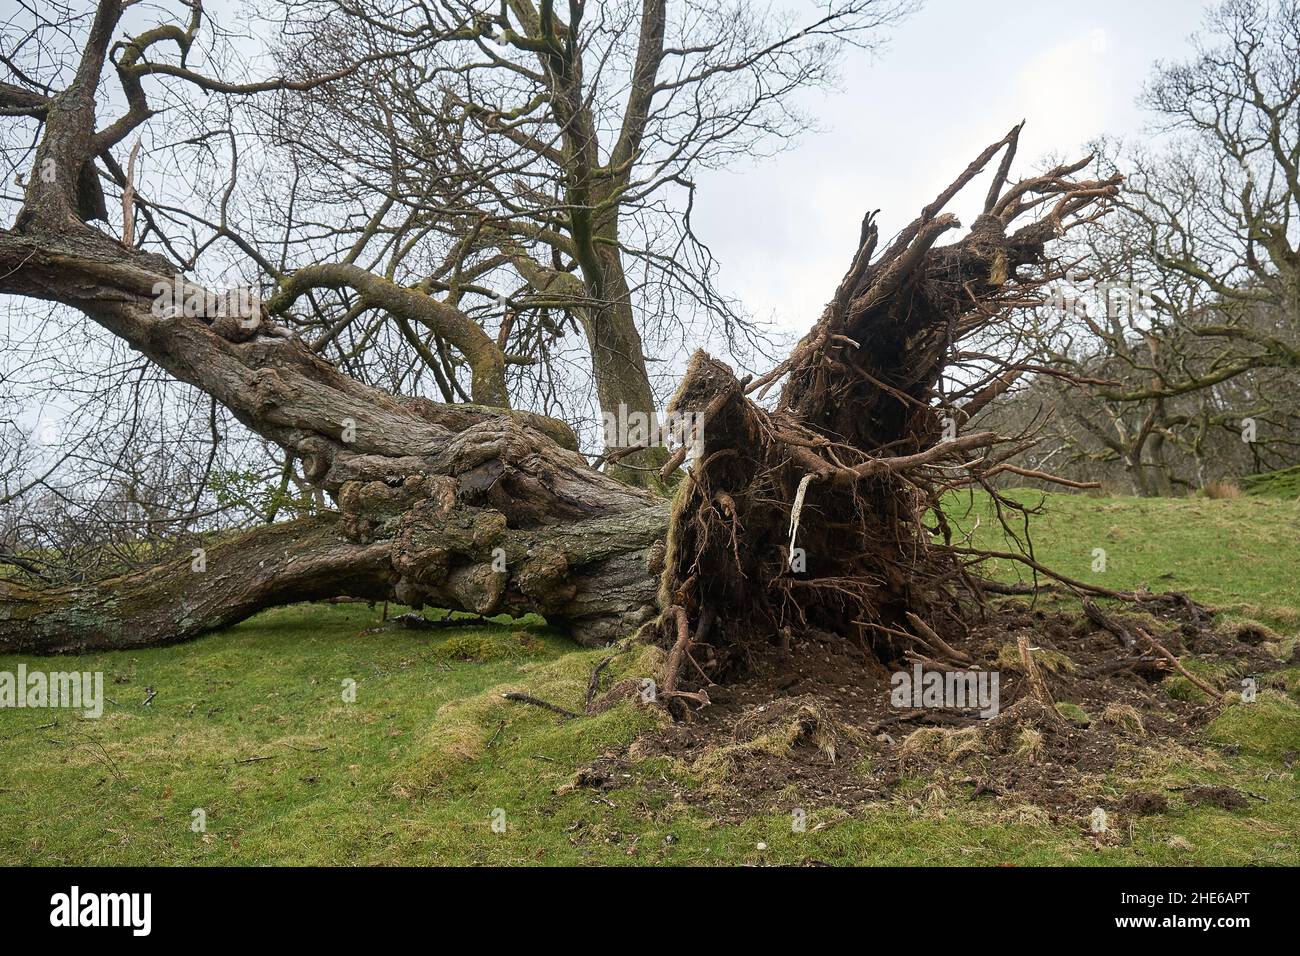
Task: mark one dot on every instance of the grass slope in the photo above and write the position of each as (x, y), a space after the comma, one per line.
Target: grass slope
(1284, 483)
(251, 727)
(1239, 555)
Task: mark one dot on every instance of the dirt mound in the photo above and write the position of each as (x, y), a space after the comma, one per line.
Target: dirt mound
(812, 723)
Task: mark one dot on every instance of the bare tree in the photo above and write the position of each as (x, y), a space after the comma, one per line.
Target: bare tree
(1182, 320)
(392, 237)
(495, 181)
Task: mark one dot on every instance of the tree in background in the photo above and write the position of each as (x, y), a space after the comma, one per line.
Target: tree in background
(533, 171)
(1188, 314)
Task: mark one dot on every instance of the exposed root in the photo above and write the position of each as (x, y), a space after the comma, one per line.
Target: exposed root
(1037, 685)
(818, 513)
(538, 702)
(1164, 652)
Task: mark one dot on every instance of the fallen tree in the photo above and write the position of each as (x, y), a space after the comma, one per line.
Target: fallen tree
(813, 513)
(493, 511)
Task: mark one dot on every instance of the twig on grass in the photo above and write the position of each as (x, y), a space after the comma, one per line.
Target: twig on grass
(538, 702)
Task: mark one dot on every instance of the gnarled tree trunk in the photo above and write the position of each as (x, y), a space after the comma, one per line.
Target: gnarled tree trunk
(464, 507)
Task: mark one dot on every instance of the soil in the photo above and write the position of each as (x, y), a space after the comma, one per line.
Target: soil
(812, 725)
(1227, 798)
(1142, 803)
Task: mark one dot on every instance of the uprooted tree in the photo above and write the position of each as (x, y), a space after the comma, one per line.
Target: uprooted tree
(822, 510)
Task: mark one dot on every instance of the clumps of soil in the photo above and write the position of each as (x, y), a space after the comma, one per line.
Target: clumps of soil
(811, 723)
(774, 731)
(1124, 717)
(595, 777)
(1226, 798)
(1074, 714)
(1143, 803)
(1255, 633)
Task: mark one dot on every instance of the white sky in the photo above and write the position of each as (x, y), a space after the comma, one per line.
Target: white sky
(954, 78)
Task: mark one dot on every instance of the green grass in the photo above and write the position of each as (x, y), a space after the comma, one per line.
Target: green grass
(1240, 554)
(250, 726)
(1284, 483)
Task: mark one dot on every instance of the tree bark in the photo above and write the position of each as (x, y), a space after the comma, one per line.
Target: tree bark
(595, 578)
(277, 564)
(462, 506)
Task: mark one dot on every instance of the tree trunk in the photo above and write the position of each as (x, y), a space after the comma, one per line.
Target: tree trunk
(619, 368)
(594, 578)
(463, 507)
(278, 564)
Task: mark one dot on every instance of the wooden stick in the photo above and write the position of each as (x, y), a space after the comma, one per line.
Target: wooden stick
(935, 640)
(128, 199)
(1037, 686)
(1211, 692)
(1107, 623)
(538, 702)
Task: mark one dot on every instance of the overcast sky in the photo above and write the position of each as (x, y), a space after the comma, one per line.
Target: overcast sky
(954, 78)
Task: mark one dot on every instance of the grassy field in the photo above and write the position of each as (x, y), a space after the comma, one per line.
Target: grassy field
(251, 727)
(1241, 555)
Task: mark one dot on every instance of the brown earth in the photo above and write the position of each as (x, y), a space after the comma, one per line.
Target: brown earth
(811, 725)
